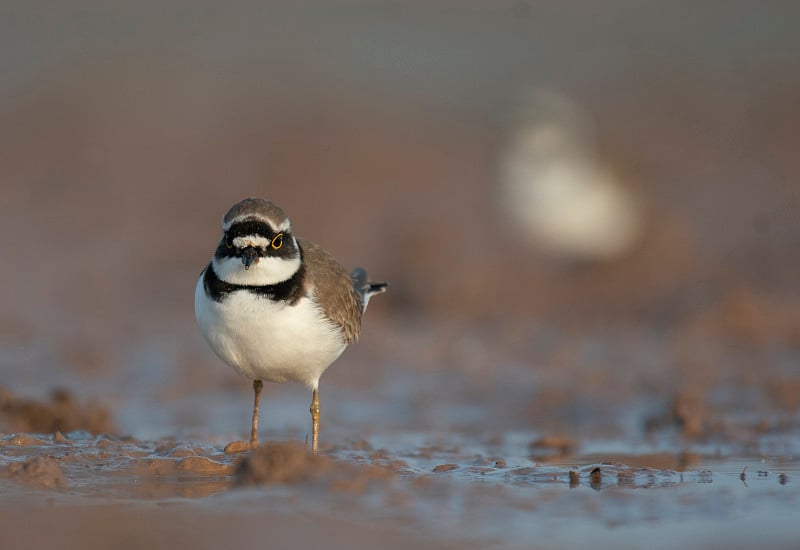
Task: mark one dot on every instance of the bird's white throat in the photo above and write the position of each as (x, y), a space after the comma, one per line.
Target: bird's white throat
(266, 271)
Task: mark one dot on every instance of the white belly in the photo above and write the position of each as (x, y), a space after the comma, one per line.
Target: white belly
(266, 340)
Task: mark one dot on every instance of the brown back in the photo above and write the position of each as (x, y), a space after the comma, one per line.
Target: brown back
(333, 288)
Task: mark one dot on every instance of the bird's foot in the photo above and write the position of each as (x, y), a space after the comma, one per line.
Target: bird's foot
(240, 447)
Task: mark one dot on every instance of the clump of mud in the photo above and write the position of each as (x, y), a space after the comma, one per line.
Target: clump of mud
(61, 413)
(40, 471)
(288, 463)
(292, 463)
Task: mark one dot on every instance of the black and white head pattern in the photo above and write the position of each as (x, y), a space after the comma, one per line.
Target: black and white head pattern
(257, 246)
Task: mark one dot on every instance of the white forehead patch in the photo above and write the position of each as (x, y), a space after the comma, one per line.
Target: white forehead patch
(251, 240)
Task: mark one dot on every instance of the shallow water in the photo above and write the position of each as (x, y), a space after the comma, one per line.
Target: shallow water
(507, 456)
(443, 489)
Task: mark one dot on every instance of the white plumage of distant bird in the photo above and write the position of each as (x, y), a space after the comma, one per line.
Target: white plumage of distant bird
(558, 194)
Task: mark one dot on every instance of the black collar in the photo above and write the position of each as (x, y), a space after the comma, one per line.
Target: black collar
(289, 291)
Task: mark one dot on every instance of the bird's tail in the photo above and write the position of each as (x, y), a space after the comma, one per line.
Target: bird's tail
(364, 287)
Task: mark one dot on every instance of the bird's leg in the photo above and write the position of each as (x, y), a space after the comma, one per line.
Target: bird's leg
(258, 385)
(240, 446)
(315, 421)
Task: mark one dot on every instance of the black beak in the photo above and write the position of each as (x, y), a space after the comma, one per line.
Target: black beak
(249, 256)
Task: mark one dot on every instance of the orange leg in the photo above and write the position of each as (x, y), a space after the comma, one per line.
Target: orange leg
(240, 446)
(315, 410)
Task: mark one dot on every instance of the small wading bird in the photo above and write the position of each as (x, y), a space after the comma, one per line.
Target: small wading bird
(275, 307)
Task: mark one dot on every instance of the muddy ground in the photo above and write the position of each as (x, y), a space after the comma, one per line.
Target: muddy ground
(500, 396)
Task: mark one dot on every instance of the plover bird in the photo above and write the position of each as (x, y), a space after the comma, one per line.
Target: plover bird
(560, 193)
(276, 307)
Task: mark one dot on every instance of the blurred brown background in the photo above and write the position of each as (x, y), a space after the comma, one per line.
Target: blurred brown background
(385, 130)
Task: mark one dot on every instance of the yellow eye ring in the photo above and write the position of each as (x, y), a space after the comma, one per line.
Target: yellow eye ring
(228, 242)
(277, 241)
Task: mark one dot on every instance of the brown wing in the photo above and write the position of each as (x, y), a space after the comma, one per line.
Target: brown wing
(333, 288)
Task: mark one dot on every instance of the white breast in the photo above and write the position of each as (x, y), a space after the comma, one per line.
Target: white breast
(266, 340)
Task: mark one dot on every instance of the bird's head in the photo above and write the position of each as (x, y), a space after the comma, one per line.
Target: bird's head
(257, 245)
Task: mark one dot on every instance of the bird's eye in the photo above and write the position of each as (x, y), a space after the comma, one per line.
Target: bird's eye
(277, 241)
(228, 241)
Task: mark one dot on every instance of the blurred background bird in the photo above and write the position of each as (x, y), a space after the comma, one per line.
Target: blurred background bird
(558, 192)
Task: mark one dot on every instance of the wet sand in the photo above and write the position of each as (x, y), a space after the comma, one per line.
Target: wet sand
(432, 491)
